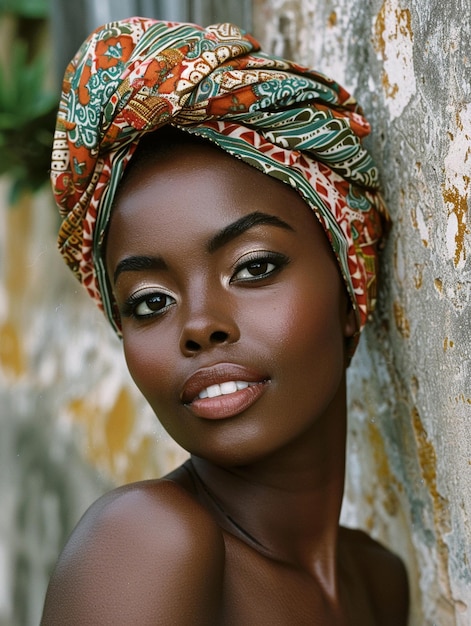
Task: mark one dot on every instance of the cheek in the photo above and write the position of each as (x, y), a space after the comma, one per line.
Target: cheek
(305, 326)
(149, 363)
(310, 352)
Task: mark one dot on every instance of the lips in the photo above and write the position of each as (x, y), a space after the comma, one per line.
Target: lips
(223, 390)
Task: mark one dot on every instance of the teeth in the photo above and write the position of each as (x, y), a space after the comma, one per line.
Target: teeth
(214, 390)
(228, 387)
(231, 386)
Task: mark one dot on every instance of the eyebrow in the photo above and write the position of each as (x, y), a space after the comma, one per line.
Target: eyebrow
(138, 264)
(228, 233)
(241, 226)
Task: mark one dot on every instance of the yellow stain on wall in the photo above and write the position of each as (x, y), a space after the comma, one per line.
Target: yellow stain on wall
(402, 323)
(419, 275)
(384, 475)
(119, 423)
(138, 465)
(461, 399)
(107, 431)
(19, 229)
(403, 24)
(428, 466)
(390, 89)
(12, 357)
(88, 415)
(392, 26)
(113, 443)
(448, 343)
(459, 207)
(456, 189)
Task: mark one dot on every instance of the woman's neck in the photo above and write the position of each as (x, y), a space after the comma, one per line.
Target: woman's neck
(288, 505)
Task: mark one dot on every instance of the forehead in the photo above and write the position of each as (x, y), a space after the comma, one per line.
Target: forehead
(171, 195)
(202, 164)
(192, 162)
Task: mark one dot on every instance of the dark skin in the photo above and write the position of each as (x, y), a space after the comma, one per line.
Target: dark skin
(247, 531)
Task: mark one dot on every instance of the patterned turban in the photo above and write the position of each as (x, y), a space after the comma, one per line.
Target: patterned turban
(134, 76)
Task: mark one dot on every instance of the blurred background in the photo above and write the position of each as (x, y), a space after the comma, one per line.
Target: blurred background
(72, 424)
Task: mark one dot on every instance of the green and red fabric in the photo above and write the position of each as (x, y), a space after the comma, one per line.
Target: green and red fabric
(134, 76)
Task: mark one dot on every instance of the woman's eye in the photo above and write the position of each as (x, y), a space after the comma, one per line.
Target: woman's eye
(142, 306)
(259, 268)
(255, 269)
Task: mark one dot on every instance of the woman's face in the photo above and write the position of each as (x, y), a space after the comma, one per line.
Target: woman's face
(234, 315)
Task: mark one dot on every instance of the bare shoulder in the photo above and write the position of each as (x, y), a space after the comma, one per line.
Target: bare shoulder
(145, 553)
(384, 574)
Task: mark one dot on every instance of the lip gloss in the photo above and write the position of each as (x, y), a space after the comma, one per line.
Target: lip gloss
(224, 406)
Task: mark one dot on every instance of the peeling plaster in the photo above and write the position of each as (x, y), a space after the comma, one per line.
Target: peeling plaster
(400, 317)
(393, 39)
(456, 190)
(418, 222)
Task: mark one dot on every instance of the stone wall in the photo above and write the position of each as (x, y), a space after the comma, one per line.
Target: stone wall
(409, 469)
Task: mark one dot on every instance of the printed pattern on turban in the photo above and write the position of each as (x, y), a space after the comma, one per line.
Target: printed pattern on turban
(293, 123)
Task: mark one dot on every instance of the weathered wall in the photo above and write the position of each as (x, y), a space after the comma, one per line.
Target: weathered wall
(409, 473)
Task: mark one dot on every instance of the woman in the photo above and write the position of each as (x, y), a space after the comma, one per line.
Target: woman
(238, 317)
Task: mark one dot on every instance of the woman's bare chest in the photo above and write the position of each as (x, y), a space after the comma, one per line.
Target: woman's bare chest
(258, 590)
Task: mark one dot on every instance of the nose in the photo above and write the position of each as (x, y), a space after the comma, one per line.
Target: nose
(208, 326)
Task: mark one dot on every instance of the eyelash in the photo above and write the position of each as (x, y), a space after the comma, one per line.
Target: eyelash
(130, 307)
(260, 258)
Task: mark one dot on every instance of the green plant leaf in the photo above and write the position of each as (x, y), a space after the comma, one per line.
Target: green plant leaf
(22, 95)
(26, 8)
(27, 120)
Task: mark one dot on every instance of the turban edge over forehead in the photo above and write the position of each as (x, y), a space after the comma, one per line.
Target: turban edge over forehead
(134, 76)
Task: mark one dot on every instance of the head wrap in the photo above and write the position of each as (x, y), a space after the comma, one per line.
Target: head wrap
(134, 76)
